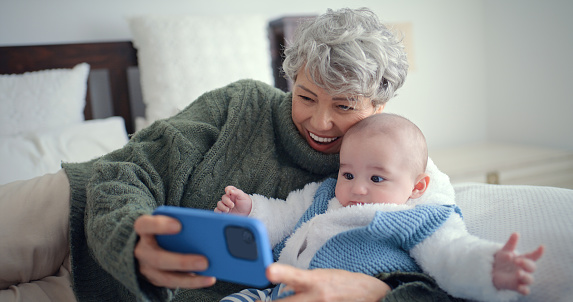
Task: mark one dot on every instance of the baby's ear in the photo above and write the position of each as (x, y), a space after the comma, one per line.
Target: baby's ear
(420, 186)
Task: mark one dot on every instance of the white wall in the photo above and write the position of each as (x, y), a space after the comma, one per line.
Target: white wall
(444, 94)
(530, 71)
(460, 91)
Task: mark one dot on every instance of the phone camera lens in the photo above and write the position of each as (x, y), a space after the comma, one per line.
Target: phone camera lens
(241, 242)
(248, 237)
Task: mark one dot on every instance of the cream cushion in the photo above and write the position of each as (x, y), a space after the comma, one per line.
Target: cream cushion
(42, 99)
(182, 57)
(541, 215)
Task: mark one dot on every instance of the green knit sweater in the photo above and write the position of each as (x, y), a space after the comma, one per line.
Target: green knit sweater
(240, 135)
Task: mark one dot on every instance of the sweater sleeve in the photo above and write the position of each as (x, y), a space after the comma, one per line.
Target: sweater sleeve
(460, 262)
(151, 170)
(281, 216)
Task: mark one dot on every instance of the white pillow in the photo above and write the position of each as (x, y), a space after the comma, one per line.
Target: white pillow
(181, 57)
(34, 154)
(541, 215)
(42, 99)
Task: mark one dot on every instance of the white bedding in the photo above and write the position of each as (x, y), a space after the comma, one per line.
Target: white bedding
(37, 153)
(42, 99)
(181, 57)
(42, 123)
(541, 215)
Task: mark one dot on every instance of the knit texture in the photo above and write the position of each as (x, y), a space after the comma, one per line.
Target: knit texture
(323, 194)
(413, 287)
(381, 246)
(384, 244)
(239, 135)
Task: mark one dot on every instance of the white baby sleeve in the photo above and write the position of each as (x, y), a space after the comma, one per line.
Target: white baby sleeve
(280, 216)
(461, 263)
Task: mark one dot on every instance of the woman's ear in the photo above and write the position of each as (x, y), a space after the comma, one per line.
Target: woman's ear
(379, 108)
(420, 186)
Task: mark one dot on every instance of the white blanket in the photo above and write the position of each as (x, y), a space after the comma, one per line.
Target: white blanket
(37, 153)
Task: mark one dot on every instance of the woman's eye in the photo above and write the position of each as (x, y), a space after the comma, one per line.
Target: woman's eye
(348, 176)
(377, 178)
(305, 98)
(345, 107)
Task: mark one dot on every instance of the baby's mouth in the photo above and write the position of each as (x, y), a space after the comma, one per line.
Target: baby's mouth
(322, 140)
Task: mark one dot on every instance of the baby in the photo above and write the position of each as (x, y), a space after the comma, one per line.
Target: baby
(376, 218)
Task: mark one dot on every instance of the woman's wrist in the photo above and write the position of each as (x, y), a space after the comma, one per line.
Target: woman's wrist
(383, 290)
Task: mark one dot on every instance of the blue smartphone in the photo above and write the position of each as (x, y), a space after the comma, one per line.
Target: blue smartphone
(237, 247)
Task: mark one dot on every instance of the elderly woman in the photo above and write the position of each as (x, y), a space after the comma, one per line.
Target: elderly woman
(345, 66)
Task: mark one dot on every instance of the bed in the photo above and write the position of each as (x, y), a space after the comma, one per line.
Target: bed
(45, 113)
(124, 89)
(84, 110)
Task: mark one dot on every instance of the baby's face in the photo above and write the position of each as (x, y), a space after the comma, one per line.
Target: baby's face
(373, 170)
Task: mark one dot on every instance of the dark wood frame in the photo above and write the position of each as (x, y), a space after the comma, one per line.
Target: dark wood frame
(115, 57)
(281, 31)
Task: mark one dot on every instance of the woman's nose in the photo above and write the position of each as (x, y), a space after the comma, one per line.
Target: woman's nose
(322, 119)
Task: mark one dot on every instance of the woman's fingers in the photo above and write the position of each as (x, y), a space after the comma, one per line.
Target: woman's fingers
(279, 273)
(173, 279)
(148, 252)
(326, 284)
(156, 225)
(164, 268)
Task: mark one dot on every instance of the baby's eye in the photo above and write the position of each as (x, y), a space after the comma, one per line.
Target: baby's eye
(376, 178)
(348, 176)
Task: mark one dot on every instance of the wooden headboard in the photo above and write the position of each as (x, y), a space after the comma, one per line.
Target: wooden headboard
(114, 58)
(118, 62)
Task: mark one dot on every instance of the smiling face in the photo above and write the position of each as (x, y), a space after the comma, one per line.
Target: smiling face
(323, 119)
(374, 169)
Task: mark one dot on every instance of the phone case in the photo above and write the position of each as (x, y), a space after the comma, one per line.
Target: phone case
(237, 247)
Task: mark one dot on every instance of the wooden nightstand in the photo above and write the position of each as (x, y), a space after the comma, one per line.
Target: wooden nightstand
(510, 164)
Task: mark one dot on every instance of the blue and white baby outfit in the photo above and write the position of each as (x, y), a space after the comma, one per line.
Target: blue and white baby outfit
(312, 230)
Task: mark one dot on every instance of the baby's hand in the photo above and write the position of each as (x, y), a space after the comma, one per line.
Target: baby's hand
(234, 201)
(512, 271)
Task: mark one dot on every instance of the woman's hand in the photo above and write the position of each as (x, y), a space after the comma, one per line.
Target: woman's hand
(327, 284)
(161, 267)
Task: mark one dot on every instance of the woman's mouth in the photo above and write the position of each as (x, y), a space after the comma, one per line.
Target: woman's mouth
(322, 140)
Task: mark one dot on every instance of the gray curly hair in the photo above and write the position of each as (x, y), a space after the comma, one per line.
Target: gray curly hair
(348, 52)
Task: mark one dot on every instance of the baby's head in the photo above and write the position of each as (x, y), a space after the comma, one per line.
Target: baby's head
(382, 160)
